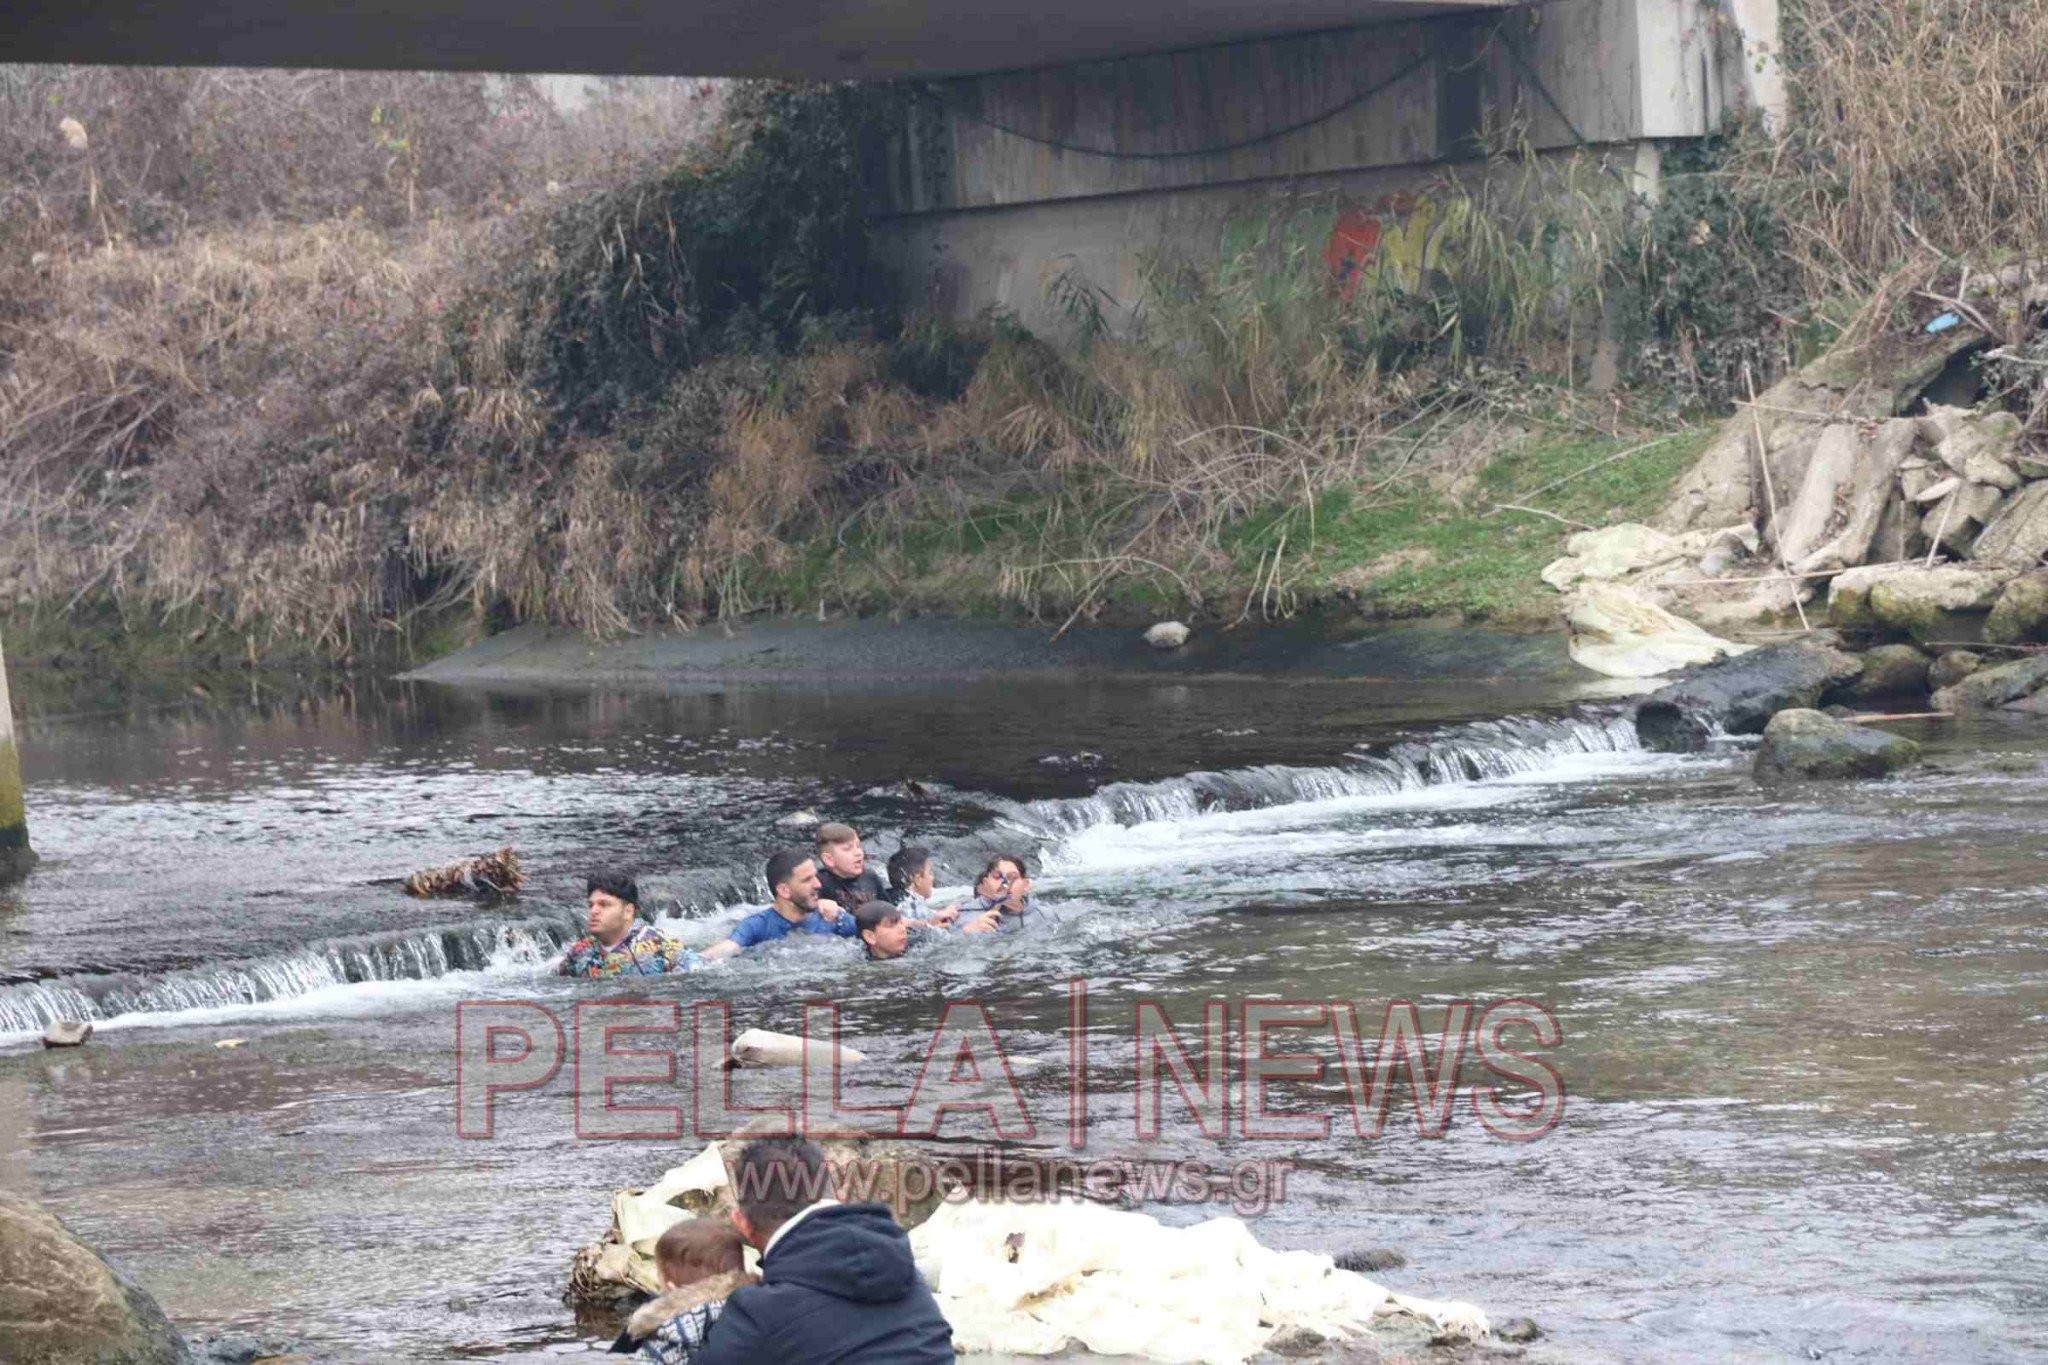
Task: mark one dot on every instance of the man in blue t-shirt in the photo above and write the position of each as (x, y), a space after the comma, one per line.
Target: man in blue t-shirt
(798, 909)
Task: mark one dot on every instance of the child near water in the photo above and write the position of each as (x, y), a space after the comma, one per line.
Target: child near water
(701, 1261)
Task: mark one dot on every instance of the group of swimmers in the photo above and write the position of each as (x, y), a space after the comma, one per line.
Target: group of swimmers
(831, 892)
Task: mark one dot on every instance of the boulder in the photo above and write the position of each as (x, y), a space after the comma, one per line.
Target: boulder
(66, 1033)
(1980, 442)
(2018, 535)
(1888, 671)
(1167, 635)
(61, 1303)
(1622, 634)
(1952, 667)
(1957, 519)
(1737, 696)
(2020, 616)
(1834, 521)
(1805, 745)
(1947, 602)
(1990, 688)
(1849, 598)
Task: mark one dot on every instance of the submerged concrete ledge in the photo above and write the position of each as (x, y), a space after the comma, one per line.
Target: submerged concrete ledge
(964, 651)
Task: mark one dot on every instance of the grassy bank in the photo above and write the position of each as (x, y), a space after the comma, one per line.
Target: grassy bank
(676, 394)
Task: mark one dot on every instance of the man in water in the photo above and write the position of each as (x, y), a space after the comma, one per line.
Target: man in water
(798, 909)
(1003, 903)
(910, 886)
(843, 874)
(617, 944)
(838, 1282)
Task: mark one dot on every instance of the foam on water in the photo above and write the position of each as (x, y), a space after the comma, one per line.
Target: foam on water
(317, 978)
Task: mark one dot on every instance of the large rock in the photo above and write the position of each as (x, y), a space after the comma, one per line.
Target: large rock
(1849, 598)
(2018, 535)
(1737, 696)
(1952, 667)
(1990, 688)
(1957, 520)
(1835, 518)
(1802, 745)
(2020, 616)
(1946, 603)
(61, 1303)
(1865, 382)
(1980, 448)
(1888, 671)
(1619, 632)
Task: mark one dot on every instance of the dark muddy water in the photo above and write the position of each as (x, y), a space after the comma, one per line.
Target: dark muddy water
(1804, 1035)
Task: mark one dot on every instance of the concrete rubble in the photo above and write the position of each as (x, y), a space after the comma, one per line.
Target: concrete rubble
(1890, 496)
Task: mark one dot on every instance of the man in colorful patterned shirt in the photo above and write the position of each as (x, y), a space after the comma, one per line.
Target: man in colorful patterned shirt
(618, 944)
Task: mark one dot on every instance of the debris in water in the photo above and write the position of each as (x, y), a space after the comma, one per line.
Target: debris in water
(67, 1033)
(226, 1043)
(489, 874)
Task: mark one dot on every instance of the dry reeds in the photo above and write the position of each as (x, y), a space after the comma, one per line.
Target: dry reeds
(1918, 124)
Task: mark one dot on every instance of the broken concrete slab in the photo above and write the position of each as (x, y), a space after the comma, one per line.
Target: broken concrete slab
(2018, 534)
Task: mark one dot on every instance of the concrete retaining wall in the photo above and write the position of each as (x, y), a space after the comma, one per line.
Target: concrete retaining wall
(1008, 182)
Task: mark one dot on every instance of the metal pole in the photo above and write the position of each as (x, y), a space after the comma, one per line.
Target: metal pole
(16, 857)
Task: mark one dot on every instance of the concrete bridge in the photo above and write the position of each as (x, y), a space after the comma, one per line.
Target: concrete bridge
(815, 39)
(1064, 139)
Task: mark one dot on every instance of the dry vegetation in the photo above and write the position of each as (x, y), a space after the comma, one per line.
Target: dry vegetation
(302, 424)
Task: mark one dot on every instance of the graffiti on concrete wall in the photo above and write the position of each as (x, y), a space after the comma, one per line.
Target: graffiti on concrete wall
(1399, 239)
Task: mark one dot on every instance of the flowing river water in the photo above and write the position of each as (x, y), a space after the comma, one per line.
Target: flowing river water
(1803, 1033)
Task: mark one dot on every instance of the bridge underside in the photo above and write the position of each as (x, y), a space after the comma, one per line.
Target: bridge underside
(820, 39)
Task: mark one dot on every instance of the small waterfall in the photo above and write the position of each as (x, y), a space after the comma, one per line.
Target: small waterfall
(1477, 752)
(419, 955)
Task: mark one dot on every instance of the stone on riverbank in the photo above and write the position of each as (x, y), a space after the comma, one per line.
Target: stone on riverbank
(1738, 696)
(2018, 535)
(1167, 635)
(1988, 689)
(1805, 745)
(1946, 603)
(2020, 616)
(61, 1303)
(1952, 667)
(66, 1033)
(1888, 671)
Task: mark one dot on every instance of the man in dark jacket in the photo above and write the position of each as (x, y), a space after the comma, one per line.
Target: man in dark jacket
(838, 1284)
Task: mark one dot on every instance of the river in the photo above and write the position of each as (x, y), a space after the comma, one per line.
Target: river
(1804, 1035)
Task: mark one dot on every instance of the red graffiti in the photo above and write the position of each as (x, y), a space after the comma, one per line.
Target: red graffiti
(1354, 242)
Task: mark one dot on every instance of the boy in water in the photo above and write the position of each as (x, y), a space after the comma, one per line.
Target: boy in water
(798, 909)
(843, 873)
(884, 932)
(618, 945)
(910, 886)
(1003, 903)
(701, 1260)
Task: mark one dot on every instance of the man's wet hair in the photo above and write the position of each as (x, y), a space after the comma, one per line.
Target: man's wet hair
(829, 834)
(613, 884)
(776, 1178)
(698, 1248)
(783, 866)
(905, 863)
(874, 914)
